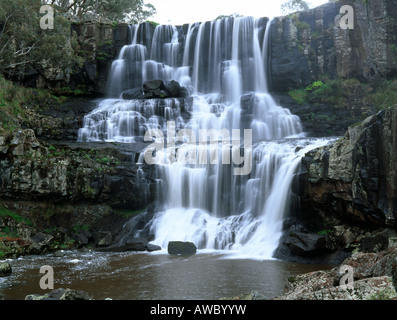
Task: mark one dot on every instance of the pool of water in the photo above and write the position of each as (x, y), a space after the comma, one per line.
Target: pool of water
(151, 276)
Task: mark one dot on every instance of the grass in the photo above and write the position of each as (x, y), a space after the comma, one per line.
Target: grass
(385, 94)
(15, 99)
(6, 213)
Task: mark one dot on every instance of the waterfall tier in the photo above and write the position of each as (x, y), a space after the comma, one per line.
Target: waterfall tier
(224, 65)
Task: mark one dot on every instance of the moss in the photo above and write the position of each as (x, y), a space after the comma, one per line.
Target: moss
(6, 213)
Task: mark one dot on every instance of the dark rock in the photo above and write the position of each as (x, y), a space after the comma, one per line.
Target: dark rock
(353, 179)
(60, 294)
(153, 85)
(138, 244)
(41, 240)
(5, 269)
(173, 87)
(181, 248)
(136, 93)
(106, 240)
(153, 247)
(306, 243)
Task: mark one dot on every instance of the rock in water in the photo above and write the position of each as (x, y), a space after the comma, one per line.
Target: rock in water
(136, 93)
(60, 294)
(5, 269)
(181, 248)
(173, 87)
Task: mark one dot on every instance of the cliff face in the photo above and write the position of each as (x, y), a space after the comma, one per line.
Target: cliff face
(305, 46)
(311, 45)
(354, 179)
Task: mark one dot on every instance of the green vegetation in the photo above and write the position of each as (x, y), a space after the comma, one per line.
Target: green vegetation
(385, 94)
(379, 95)
(9, 232)
(25, 47)
(130, 11)
(318, 91)
(15, 99)
(6, 213)
(293, 6)
(80, 227)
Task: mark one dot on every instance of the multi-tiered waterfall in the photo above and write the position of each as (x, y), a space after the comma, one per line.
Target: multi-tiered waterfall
(206, 200)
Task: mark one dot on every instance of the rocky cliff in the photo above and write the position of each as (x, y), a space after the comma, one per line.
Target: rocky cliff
(355, 178)
(311, 45)
(348, 195)
(305, 46)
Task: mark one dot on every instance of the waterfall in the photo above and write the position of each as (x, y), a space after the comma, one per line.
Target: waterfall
(202, 198)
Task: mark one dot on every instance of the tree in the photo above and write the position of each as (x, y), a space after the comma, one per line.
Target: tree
(131, 11)
(26, 48)
(293, 6)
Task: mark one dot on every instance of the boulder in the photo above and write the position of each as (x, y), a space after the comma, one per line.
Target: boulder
(60, 294)
(173, 87)
(153, 247)
(132, 94)
(136, 244)
(106, 240)
(5, 269)
(155, 89)
(181, 248)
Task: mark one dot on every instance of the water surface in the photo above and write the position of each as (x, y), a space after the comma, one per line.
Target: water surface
(154, 276)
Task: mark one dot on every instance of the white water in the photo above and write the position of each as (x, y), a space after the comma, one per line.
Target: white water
(207, 203)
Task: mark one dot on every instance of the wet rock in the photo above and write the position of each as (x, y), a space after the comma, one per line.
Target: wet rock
(306, 243)
(153, 247)
(136, 93)
(41, 240)
(106, 240)
(155, 89)
(5, 269)
(138, 244)
(181, 248)
(60, 253)
(60, 294)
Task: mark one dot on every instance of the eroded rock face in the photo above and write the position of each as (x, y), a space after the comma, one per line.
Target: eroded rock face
(311, 44)
(355, 178)
(33, 170)
(371, 278)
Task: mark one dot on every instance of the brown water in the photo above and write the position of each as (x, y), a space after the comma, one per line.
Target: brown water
(155, 276)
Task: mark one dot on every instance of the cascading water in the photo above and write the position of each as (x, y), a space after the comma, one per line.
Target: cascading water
(206, 202)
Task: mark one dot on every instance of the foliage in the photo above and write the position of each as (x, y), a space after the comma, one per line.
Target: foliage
(131, 11)
(6, 213)
(293, 6)
(233, 15)
(26, 48)
(14, 99)
(318, 91)
(385, 94)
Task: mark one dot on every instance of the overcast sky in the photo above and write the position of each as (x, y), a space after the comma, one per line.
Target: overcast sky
(178, 12)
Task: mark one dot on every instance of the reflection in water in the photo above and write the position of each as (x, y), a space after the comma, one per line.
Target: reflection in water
(156, 276)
